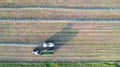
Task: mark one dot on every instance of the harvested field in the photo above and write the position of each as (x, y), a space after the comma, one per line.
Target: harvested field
(59, 13)
(76, 41)
(67, 3)
(35, 31)
(71, 53)
(4, 31)
(82, 30)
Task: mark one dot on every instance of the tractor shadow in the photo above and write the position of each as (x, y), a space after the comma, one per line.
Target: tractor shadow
(64, 36)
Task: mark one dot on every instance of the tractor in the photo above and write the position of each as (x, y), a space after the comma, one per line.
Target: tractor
(44, 48)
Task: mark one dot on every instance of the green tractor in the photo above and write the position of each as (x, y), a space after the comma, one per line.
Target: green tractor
(45, 48)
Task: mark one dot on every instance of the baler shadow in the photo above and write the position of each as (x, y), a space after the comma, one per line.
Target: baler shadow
(64, 36)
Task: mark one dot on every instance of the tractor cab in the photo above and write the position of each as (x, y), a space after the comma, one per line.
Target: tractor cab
(45, 48)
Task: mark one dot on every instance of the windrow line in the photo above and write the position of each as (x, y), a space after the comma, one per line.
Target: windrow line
(62, 19)
(60, 7)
